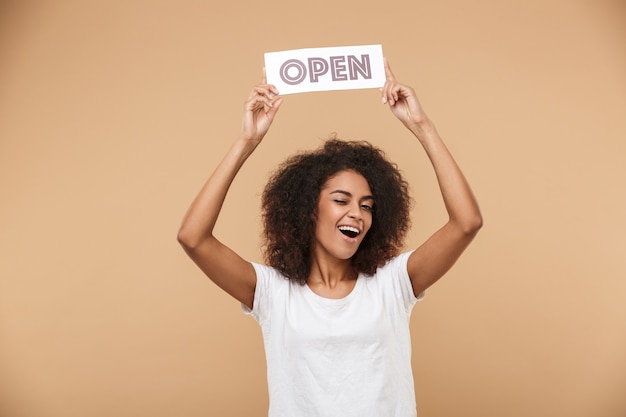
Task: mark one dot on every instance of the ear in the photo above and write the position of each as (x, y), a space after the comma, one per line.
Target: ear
(315, 213)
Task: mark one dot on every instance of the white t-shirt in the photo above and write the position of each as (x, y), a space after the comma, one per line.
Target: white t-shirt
(338, 357)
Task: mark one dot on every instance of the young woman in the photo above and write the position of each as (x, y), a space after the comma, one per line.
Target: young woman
(335, 299)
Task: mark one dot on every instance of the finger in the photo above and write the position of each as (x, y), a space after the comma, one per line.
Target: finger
(270, 90)
(385, 91)
(264, 82)
(265, 90)
(262, 90)
(256, 102)
(388, 73)
(394, 92)
(271, 112)
(390, 93)
(273, 89)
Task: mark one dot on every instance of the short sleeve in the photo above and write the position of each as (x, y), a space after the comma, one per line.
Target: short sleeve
(397, 272)
(260, 303)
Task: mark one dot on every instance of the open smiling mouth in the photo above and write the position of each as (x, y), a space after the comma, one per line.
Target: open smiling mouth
(349, 231)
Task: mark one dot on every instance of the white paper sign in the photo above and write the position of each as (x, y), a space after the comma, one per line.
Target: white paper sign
(324, 69)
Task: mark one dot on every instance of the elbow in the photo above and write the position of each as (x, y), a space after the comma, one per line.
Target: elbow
(191, 240)
(473, 224)
(187, 239)
(182, 238)
(469, 225)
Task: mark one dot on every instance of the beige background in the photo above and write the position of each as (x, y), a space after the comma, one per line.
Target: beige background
(112, 114)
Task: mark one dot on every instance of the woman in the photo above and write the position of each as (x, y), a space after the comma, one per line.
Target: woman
(335, 301)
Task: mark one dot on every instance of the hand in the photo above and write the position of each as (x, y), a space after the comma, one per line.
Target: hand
(259, 111)
(402, 101)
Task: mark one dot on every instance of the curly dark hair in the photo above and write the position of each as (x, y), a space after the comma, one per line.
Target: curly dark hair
(291, 195)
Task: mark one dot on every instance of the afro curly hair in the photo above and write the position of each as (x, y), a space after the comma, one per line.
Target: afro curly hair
(291, 195)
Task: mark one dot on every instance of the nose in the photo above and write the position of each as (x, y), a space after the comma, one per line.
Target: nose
(355, 212)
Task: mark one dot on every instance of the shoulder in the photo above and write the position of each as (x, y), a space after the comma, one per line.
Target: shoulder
(393, 278)
(271, 287)
(268, 275)
(396, 265)
(269, 280)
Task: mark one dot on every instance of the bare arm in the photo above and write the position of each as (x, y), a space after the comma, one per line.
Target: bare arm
(222, 265)
(435, 257)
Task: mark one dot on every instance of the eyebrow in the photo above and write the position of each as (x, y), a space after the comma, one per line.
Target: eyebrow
(349, 194)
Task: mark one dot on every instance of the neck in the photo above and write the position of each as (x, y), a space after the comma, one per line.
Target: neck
(330, 271)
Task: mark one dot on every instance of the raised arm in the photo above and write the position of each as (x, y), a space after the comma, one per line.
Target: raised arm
(222, 265)
(435, 257)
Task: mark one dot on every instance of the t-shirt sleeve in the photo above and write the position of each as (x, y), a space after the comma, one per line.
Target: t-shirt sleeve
(399, 277)
(260, 304)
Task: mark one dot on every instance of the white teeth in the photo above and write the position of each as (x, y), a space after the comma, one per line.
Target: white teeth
(349, 229)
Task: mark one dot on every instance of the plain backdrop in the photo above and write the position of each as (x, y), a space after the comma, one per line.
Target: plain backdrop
(112, 115)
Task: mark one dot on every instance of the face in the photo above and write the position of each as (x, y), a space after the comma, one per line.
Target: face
(343, 215)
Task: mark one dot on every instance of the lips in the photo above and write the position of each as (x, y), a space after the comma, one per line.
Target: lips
(349, 231)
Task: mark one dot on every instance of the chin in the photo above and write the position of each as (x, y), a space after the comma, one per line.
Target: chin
(345, 255)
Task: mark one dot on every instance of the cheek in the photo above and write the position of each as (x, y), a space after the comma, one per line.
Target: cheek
(368, 222)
